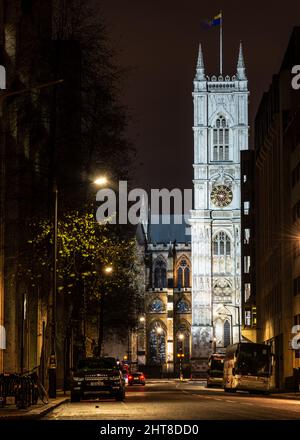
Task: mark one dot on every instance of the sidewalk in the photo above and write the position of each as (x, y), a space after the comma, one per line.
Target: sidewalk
(290, 396)
(10, 412)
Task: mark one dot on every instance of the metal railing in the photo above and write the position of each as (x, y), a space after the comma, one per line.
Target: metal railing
(25, 389)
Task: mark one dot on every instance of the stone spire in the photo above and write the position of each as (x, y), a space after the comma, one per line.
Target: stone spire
(200, 75)
(241, 71)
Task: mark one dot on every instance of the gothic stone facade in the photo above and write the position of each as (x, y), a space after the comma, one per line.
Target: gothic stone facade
(194, 298)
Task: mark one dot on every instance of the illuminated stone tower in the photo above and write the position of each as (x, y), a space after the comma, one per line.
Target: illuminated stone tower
(220, 133)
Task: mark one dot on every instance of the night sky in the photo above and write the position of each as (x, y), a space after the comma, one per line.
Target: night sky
(159, 41)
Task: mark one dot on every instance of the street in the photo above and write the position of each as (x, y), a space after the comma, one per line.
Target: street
(173, 400)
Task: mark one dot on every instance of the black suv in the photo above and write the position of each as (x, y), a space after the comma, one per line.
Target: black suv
(97, 377)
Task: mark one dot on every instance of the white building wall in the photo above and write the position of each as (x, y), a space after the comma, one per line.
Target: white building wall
(214, 97)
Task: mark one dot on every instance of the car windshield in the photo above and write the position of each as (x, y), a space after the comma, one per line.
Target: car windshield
(254, 360)
(216, 367)
(97, 364)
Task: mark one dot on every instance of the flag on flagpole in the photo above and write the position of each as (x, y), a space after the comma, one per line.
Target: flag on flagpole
(216, 21)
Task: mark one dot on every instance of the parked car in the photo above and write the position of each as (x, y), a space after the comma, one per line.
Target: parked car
(136, 379)
(97, 377)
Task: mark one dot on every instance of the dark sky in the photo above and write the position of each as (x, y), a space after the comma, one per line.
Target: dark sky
(159, 40)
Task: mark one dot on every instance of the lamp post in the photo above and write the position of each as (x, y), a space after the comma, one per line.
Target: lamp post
(108, 270)
(53, 363)
(159, 332)
(139, 331)
(181, 355)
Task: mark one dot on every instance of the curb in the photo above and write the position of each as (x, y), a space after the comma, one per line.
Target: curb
(35, 413)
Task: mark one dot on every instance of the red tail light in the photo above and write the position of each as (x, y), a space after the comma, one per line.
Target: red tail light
(143, 377)
(129, 377)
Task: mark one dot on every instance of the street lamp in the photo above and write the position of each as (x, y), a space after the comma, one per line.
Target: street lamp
(108, 270)
(140, 334)
(159, 332)
(101, 181)
(181, 355)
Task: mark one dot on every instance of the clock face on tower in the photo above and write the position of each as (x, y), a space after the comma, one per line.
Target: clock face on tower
(221, 196)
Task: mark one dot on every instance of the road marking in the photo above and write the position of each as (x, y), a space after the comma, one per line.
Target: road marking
(245, 403)
(230, 401)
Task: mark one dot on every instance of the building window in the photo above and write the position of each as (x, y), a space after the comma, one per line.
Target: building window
(221, 140)
(246, 208)
(247, 318)
(183, 306)
(222, 245)
(157, 344)
(246, 236)
(160, 273)
(157, 306)
(183, 273)
(247, 264)
(247, 291)
(254, 319)
(226, 333)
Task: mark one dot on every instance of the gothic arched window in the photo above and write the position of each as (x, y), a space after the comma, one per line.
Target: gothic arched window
(183, 306)
(222, 245)
(221, 140)
(156, 306)
(226, 333)
(160, 273)
(183, 273)
(157, 344)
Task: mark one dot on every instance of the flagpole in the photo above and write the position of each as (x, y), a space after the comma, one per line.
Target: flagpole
(221, 44)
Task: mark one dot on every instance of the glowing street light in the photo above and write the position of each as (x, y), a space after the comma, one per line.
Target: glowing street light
(108, 269)
(142, 318)
(101, 181)
(181, 336)
(159, 330)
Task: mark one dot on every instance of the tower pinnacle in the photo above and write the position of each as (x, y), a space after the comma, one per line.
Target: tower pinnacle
(200, 75)
(241, 71)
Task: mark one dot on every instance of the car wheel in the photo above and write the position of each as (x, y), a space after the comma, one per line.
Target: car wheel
(75, 397)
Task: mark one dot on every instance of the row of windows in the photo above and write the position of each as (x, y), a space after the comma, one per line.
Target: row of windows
(222, 244)
(157, 306)
(221, 140)
(221, 248)
(182, 274)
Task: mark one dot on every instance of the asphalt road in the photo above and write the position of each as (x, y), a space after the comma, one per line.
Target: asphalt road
(180, 401)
